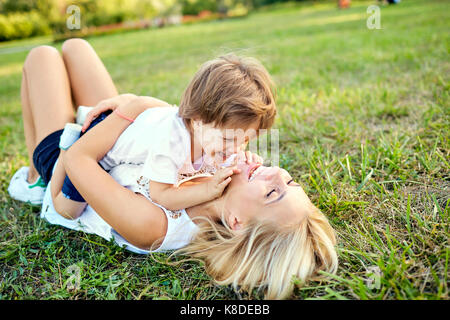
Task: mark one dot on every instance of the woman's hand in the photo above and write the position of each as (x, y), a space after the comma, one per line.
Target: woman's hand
(123, 101)
(107, 104)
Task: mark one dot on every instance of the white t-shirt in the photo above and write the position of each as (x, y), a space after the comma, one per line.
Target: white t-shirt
(159, 140)
(156, 146)
(180, 228)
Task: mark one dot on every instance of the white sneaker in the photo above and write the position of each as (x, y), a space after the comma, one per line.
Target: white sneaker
(20, 189)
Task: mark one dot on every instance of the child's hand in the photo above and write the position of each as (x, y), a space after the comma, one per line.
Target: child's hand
(219, 181)
(250, 157)
(253, 157)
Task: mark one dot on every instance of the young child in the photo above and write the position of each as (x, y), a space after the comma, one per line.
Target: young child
(225, 105)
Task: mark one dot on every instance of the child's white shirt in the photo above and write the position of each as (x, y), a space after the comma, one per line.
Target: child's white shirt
(159, 140)
(156, 146)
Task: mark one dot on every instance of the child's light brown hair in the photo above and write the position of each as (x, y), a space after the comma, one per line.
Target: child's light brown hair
(230, 91)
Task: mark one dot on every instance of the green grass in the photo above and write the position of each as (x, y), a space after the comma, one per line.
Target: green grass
(364, 126)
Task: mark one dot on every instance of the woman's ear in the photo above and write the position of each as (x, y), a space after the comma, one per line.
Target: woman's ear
(228, 214)
(234, 222)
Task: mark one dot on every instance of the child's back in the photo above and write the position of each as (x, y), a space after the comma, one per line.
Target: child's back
(159, 143)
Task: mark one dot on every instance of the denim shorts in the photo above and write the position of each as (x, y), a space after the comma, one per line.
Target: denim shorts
(47, 152)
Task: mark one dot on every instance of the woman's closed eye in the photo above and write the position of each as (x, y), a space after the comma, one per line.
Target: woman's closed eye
(294, 184)
(291, 182)
(271, 191)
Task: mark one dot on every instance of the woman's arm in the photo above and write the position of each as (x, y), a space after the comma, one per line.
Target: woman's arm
(116, 102)
(131, 215)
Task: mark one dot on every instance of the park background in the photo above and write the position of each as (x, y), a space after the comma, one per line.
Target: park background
(363, 120)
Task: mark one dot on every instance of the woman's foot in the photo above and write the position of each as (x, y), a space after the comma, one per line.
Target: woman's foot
(20, 189)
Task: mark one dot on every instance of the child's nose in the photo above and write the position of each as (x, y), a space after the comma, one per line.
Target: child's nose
(233, 148)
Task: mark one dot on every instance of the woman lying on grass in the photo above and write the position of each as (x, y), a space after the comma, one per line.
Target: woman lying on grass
(261, 232)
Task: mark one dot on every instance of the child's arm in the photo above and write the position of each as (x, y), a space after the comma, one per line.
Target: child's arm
(177, 198)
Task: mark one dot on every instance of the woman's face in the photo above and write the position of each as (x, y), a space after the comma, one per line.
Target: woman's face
(264, 193)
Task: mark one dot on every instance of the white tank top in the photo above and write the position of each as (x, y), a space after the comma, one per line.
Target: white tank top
(180, 228)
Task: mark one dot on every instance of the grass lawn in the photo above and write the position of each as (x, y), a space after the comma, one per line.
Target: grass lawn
(364, 127)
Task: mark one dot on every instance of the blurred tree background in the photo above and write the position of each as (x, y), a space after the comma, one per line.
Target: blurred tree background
(29, 18)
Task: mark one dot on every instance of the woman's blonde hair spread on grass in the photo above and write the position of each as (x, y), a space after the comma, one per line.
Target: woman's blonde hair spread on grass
(230, 90)
(265, 254)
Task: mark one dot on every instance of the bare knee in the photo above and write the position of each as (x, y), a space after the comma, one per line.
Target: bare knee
(71, 46)
(40, 54)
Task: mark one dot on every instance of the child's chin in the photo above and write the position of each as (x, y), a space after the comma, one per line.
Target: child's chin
(243, 166)
(218, 157)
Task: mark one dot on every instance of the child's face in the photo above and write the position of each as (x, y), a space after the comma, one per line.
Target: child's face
(220, 143)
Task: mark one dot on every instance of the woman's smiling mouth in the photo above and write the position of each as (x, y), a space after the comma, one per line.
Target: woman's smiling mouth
(252, 169)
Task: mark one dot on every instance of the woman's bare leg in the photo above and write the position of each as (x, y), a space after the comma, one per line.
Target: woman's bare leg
(28, 128)
(46, 98)
(89, 79)
(90, 83)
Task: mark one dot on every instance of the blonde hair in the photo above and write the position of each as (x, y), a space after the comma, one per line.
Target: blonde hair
(230, 90)
(264, 254)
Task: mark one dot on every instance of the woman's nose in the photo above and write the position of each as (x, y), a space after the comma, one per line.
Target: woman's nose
(273, 173)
